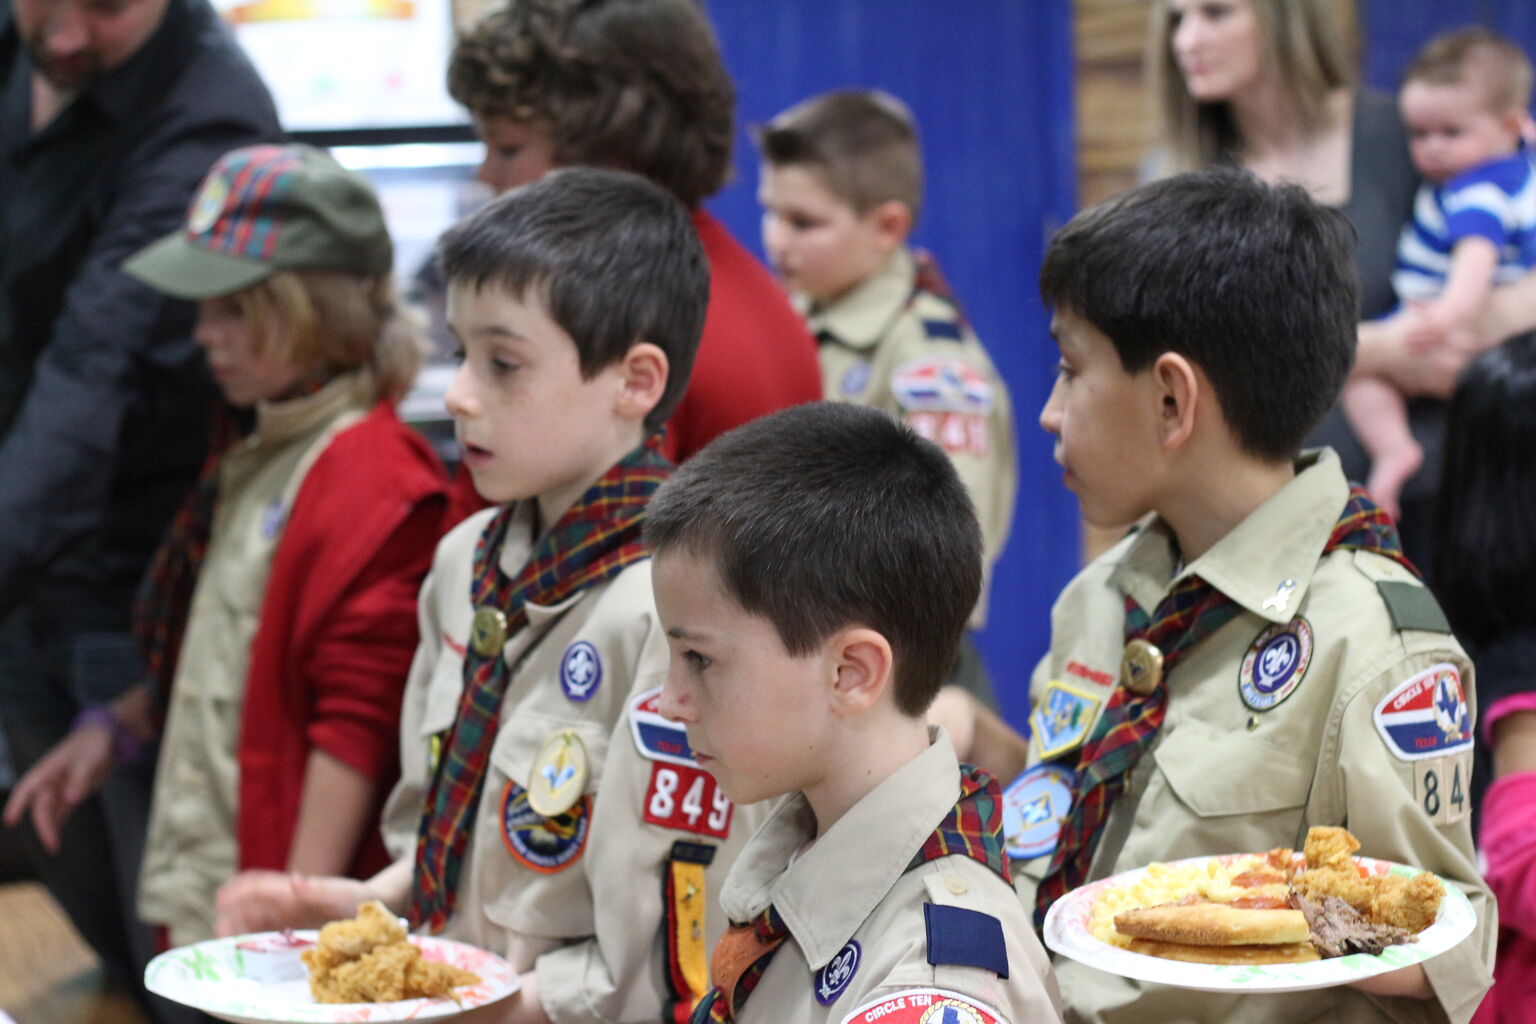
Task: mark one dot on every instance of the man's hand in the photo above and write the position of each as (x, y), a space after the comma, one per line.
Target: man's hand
(1405, 982)
(73, 770)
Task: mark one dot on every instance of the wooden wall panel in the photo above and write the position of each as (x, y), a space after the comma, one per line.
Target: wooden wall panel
(1113, 115)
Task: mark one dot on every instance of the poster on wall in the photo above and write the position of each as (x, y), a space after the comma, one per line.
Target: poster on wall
(350, 64)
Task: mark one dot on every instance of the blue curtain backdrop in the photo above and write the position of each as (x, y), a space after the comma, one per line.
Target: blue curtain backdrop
(990, 82)
(1395, 31)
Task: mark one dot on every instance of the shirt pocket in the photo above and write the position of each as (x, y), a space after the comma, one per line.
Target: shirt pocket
(1235, 791)
(531, 869)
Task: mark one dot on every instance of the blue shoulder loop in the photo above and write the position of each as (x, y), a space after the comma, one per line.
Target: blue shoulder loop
(943, 329)
(965, 938)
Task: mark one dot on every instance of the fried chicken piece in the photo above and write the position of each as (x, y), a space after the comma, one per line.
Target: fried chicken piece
(1409, 903)
(1330, 848)
(369, 959)
(1346, 885)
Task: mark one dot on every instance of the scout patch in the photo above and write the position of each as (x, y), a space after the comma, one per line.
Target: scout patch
(272, 518)
(544, 844)
(1034, 808)
(832, 979)
(1062, 718)
(210, 203)
(955, 432)
(656, 738)
(855, 379)
(1275, 663)
(942, 385)
(1426, 716)
(688, 799)
(559, 775)
(960, 937)
(581, 670)
(924, 1006)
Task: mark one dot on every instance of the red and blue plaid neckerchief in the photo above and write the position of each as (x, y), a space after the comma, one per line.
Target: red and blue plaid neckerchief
(973, 828)
(593, 541)
(1130, 723)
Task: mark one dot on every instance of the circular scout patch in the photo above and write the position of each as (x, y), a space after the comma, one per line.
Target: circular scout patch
(1275, 663)
(855, 379)
(1034, 807)
(924, 1006)
(210, 203)
(581, 671)
(544, 844)
(832, 979)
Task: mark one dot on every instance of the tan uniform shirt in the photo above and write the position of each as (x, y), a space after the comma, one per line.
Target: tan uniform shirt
(856, 914)
(1227, 774)
(584, 911)
(911, 353)
(190, 848)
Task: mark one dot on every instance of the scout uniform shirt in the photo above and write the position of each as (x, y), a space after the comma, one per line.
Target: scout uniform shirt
(865, 942)
(1336, 696)
(582, 899)
(895, 343)
(190, 848)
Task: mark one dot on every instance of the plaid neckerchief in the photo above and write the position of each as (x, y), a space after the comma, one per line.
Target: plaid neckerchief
(973, 828)
(1130, 723)
(593, 541)
(164, 596)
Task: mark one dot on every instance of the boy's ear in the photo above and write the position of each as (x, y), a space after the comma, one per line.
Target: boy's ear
(863, 662)
(643, 380)
(892, 221)
(1180, 393)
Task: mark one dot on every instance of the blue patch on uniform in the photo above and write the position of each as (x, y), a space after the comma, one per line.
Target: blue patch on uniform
(1276, 661)
(965, 938)
(932, 384)
(1061, 720)
(1426, 716)
(272, 518)
(856, 379)
(946, 330)
(544, 844)
(581, 670)
(656, 738)
(832, 979)
(1034, 807)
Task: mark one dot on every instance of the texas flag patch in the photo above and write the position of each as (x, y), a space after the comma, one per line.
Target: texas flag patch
(656, 738)
(1426, 716)
(924, 1006)
(942, 385)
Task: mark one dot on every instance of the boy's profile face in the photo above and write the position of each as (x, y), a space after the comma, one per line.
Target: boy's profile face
(1105, 424)
(247, 369)
(528, 424)
(516, 152)
(757, 716)
(817, 243)
(1452, 128)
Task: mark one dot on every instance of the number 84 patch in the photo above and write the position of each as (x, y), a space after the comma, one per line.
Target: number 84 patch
(1442, 787)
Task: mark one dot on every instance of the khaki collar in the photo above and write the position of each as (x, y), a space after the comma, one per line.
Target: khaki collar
(863, 316)
(516, 548)
(831, 889)
(1266, 563)
(279, 421)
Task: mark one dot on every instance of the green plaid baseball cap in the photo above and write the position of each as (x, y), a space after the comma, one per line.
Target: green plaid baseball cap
(263, 209)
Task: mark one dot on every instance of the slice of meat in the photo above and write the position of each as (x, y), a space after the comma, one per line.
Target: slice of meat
(1338, 929)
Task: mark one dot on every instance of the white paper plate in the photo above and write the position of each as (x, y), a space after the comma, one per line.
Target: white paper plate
(214, 977)
(1066, 932)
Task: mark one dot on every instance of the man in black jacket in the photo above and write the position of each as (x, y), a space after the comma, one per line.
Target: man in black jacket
(111, 111)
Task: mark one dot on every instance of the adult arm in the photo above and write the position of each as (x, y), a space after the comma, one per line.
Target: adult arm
(58, 459)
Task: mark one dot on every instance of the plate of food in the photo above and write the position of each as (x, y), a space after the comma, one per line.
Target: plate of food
(363, 969)
(1262, 922)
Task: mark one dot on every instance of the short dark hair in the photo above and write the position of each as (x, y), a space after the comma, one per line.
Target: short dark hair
(633, 84)
(1478, 56)
(1253, 283)
(614, 258)
(827, 515)
(863, 143)
(1485, 542)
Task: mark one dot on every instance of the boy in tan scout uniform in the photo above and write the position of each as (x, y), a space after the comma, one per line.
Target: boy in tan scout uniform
(842, 183)
(814, 571)
(1261, 648)
(546, 811)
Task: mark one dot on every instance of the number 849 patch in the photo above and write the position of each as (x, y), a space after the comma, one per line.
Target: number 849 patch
(687, 799)
(1441, 787)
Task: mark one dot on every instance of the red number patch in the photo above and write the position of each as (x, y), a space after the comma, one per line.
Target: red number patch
(687, 799)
